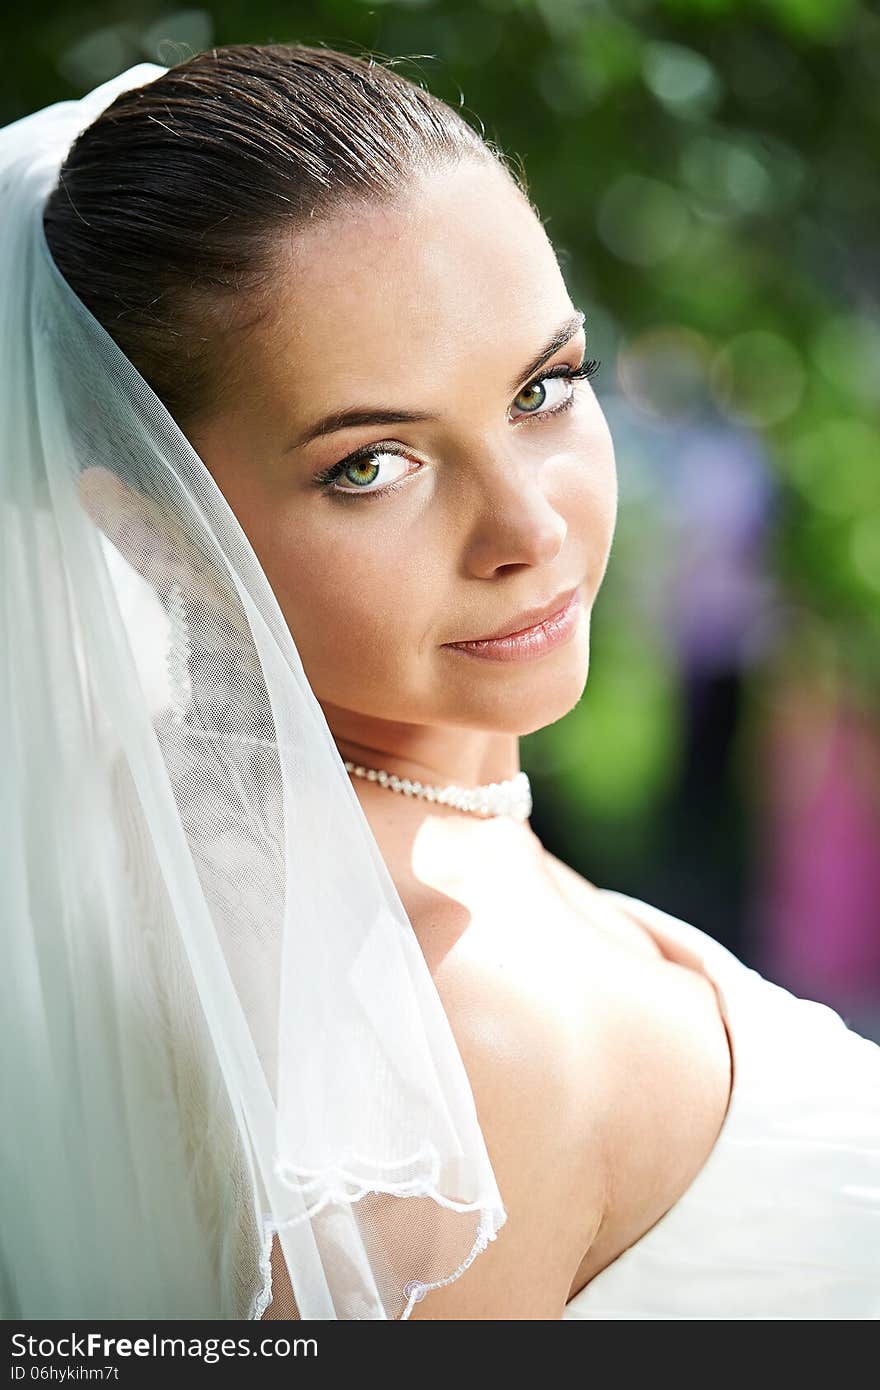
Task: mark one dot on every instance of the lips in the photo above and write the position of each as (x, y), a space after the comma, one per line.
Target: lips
(527, 619)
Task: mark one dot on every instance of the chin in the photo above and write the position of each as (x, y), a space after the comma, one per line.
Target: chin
(558, 708)
(519, 700)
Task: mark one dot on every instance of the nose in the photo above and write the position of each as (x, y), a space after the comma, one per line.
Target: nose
(513, 521)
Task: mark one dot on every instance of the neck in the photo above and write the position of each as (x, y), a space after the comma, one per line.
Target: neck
(431, 754)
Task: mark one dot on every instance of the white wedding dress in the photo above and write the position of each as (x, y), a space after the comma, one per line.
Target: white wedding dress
(783, 1219)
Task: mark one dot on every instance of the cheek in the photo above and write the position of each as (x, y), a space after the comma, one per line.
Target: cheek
(586, 479)
(350, 600)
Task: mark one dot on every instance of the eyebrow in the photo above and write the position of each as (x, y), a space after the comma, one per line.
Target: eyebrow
(389, 415)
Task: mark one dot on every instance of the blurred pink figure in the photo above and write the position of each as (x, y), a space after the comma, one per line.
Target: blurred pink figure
(819, 908)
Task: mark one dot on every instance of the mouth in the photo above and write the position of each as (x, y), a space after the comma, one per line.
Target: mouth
(528, 643)
(526, 621)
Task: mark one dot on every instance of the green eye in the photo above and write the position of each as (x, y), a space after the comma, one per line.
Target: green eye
(369, 464)
(537, 390)
(367, 461)
(535, 395)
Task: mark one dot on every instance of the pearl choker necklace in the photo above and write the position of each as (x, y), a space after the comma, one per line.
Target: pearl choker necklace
(510, 798)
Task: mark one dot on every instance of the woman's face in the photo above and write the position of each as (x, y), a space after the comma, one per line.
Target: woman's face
(436, 305)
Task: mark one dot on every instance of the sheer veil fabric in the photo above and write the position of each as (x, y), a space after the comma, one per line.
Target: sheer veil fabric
(217, 1023)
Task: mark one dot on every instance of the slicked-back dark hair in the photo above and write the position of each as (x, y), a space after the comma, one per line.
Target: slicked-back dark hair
(168, 209)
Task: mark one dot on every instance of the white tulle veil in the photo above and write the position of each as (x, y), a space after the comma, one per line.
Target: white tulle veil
(218, 1027)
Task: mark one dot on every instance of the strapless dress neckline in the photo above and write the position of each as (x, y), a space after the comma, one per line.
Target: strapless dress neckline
(783, 1218)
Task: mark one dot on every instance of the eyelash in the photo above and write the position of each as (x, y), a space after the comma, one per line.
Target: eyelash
(325, 480)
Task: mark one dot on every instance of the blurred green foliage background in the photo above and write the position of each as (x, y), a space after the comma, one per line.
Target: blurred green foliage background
(708, 173)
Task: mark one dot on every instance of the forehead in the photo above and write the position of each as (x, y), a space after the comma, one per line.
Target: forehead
(424, 280)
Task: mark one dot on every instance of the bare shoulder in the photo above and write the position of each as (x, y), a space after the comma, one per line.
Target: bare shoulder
(587, 899)
(599, 1065)
(532, 1091)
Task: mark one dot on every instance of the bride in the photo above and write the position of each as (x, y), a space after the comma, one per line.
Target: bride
(487, 501)
(408, 436)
